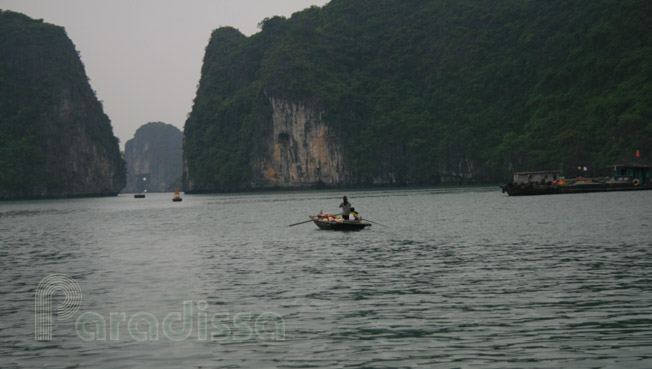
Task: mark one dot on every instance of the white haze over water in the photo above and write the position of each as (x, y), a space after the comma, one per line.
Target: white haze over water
(144, 57)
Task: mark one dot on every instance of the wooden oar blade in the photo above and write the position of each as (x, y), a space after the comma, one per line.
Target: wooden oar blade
(371, 221)
(307, 221)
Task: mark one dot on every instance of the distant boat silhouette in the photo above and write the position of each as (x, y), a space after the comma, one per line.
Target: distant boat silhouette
(142, 194)
(176, 197)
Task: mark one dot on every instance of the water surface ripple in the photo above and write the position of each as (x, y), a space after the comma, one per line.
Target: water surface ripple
(460, 278)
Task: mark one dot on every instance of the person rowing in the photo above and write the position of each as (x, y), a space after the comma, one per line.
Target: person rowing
(346, 208)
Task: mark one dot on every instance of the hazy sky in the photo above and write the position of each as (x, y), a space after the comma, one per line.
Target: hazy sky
(144, 57)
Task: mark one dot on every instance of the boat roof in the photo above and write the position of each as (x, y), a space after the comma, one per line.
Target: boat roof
(539, 172)
(630, 166)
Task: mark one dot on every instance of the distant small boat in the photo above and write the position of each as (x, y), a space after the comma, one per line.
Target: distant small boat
(142, 194)
(332, 223)
(176, 197)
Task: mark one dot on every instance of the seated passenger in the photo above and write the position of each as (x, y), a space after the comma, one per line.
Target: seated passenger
(353, 215)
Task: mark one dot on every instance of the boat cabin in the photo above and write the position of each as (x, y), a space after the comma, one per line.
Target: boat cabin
(631, 172)
(544, 175)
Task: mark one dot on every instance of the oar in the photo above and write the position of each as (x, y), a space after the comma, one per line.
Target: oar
(307, 221)
(371, 221)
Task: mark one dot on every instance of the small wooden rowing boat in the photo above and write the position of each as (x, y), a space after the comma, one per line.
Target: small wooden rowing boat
(327, 222)
(176, 197)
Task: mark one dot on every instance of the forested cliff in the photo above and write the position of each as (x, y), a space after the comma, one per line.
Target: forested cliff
(154, 154)
(55, 140)
(422, 92)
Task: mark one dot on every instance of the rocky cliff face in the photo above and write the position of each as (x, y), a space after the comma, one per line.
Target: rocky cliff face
(155, 154)
(300, 150)
(55, 139)
(267, 115)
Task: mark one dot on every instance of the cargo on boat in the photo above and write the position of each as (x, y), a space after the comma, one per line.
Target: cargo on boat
(337, 223)
(630, 177)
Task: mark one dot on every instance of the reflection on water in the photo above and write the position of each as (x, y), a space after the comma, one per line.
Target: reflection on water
(461, 277)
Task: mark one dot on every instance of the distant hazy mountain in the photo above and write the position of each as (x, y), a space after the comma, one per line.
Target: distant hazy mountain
(55, 139)
(154, 154)
(384, 92)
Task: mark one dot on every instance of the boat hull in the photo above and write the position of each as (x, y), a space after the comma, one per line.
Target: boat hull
(551, 189)
(346, 225)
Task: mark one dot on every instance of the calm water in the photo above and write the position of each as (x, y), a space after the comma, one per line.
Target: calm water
(464, 278)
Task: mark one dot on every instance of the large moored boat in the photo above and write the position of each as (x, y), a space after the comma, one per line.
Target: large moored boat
(625, 177)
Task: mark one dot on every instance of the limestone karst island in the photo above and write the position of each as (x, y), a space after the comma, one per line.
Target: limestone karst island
(354, 94)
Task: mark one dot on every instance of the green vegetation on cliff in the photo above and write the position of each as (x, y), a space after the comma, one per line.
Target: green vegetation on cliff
(55, 139)
(434, 91)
